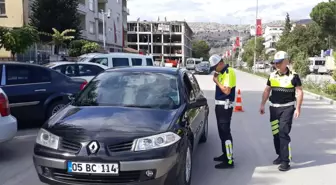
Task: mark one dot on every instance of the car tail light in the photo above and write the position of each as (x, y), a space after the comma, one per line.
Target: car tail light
(4, 105)
(83, 85)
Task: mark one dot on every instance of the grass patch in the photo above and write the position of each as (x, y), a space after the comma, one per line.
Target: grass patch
(326, 89)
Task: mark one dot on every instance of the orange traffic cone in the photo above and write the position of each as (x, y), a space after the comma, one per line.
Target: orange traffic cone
(239, 105)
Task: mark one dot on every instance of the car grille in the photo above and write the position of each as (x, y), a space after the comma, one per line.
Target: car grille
(126, 146)
(70, 146)
(123, 177)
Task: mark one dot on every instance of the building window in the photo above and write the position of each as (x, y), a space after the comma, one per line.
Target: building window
(92, 26)
(2, 7)
(91, 5)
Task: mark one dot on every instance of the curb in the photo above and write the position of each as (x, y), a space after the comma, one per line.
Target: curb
(316, 96)
(321, 98)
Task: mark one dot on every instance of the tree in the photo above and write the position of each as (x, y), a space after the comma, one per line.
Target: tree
(79, 47)
(301, 64)
(324, 14)
(60, 14)
(248, 54)
(309, 39)
(200, 49)
(288, 25)
(59, 38)
(18, 40)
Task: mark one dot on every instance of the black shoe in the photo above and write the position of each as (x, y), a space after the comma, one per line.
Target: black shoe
(224, 165)
(277, 161)
(284, 166)
(220, 158)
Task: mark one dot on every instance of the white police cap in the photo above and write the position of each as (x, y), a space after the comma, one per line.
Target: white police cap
(214, 60)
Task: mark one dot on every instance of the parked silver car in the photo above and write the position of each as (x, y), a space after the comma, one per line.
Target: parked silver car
(203, 67)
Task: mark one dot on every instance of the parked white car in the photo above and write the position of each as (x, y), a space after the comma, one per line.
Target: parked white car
(84, 70)
(8, 123)
(122, 59)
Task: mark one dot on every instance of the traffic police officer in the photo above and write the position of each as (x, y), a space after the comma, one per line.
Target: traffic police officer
(225, 79)
(283, 83)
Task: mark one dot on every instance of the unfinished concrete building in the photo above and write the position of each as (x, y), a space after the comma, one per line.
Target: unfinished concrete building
(170, 40)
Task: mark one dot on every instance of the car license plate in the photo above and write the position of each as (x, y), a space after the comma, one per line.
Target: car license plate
(94, 168)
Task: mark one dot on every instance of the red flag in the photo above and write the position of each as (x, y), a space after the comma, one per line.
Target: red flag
(259, 28)
(237, 42)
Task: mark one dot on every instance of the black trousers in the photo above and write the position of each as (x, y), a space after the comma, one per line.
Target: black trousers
(223, 117)
(281, 119)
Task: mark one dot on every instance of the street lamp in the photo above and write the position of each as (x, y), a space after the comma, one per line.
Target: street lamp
(108, 14)
(255, 39)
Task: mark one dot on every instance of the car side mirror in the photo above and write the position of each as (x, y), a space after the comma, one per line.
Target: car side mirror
(199, 102)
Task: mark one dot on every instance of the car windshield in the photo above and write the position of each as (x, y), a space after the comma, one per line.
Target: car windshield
(190, 62)
(204, 64)
(131, 89)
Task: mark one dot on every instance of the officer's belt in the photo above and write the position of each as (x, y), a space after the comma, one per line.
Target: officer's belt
(282, 105)
(227, 103)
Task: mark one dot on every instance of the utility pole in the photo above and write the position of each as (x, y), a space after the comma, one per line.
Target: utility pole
(104, 39)
(149, 30)
(255, 39)
(170, 35)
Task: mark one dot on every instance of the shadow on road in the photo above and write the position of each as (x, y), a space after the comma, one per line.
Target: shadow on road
(313, 144)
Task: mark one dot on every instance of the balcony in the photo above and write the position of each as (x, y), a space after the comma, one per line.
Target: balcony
(125, 24)
(83, 34)
(100, 16)
(101, 37)
(81, 7)
(126, 10)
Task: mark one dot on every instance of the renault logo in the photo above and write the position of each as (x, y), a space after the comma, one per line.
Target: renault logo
(93, 147)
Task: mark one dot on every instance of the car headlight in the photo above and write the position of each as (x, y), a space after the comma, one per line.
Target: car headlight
(156, 141)
(47, 139)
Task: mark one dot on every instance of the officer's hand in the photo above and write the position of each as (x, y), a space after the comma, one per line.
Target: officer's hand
(262, 109)
(297, 113)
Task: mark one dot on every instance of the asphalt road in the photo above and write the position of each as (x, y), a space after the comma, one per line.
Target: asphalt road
(313, 146)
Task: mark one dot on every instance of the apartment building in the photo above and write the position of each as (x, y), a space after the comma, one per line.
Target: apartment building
(272, 35)
(11, 15)
(99, 17)
(167, 40)
(15, 13)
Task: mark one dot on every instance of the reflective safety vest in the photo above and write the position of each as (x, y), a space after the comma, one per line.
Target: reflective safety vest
(226, 77)
(283, 90)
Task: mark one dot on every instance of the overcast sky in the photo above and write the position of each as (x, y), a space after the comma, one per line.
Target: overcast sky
(221, 11)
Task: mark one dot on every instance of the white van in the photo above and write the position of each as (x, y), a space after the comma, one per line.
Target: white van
(192, 62)
(123, 59)
(317, 65)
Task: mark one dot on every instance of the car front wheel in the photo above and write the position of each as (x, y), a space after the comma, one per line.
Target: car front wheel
(54, 108)
(184, 177)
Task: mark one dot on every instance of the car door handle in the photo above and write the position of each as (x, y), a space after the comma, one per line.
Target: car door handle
(40, 90)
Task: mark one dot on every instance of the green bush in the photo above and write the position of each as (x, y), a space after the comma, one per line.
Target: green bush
(79, 47)
(330, 89)
(334, 74)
